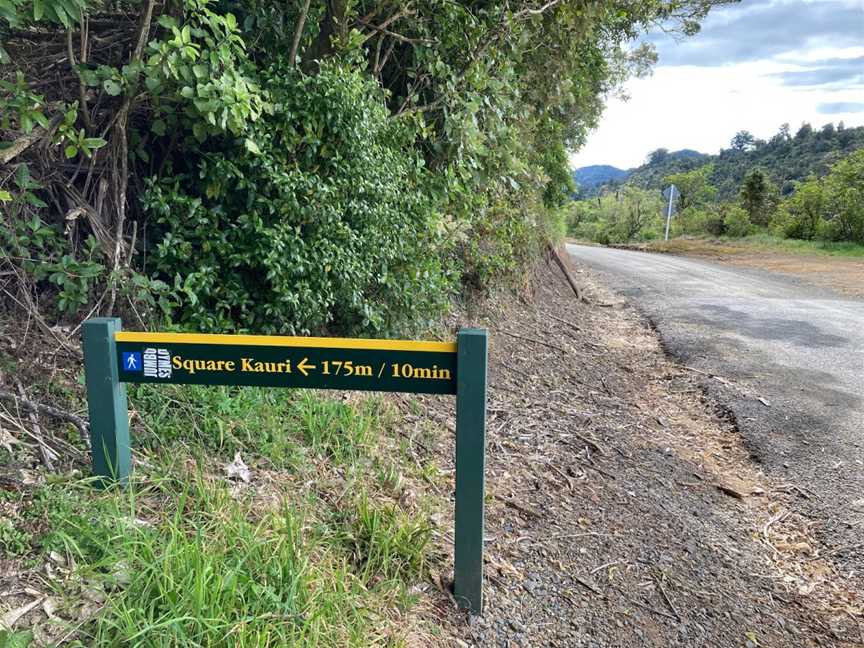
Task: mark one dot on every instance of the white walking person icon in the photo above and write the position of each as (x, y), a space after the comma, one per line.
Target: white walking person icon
(130, 362)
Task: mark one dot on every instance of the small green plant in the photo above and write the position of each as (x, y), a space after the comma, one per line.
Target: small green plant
(12, 639)
(13, 541)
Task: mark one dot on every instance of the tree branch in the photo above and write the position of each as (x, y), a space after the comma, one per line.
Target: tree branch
(121, 178)
(26, 141)
(380, 28)
(400, 37)
(82, 88)
(536, 12)
(379, 67)
(298, 32)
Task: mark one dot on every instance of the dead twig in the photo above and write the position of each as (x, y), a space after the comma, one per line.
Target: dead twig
(44, 451)
(515, 505)
(651, 609)
(587, 584)
(77, 421)
(667, 598)
(563, 321)
(535, 341)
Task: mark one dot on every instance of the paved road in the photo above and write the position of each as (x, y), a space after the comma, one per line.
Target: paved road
(799, 348)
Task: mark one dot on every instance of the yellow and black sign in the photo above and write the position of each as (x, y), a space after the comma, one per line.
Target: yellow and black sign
(276, 361)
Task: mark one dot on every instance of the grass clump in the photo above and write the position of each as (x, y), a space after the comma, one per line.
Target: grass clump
(316, 551)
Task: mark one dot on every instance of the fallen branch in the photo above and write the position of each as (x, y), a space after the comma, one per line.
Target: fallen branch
(26, 141)
(563, 321)
(667, 599)
(566, 271)
(32, 406)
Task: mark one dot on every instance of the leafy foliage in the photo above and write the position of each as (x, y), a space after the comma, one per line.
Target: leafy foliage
(784, 159)
(324, 166)
(617, 216)
(829, 208)
(326, 225)
(759, 197)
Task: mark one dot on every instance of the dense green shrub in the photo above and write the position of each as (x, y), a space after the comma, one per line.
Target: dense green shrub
(829, 208)
(326, 226)
(321, 166)
(801, 215)
(845, 196)
(736, 222)
(705, 219)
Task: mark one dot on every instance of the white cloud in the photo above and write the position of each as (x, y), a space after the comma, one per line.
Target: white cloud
(754, 66)
(703, 107)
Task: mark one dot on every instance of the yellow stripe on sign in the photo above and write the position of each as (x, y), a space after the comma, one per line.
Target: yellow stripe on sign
(284, 341)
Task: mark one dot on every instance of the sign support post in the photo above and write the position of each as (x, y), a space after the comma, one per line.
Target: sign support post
(470, 459)
(106, 402)
(113, 357)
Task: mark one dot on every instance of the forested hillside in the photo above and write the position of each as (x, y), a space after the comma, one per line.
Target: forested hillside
(591, 177)
(826, 207)
(294, 167)
(786, 158)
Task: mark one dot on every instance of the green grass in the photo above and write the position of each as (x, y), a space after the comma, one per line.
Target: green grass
(831, 248)
(764, 242)
(316, 551)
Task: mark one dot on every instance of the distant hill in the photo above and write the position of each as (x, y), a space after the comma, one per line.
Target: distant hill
(589, 177)
(662, 163)
(786, 158)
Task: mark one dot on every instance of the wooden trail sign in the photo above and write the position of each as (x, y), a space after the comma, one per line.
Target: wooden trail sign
(113, 357)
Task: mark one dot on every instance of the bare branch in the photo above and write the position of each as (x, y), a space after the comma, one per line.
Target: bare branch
(82, 88)
(536, 12)
(54, 412)
(379, 67)
(298, 32)
(380, 28)
(26, 141)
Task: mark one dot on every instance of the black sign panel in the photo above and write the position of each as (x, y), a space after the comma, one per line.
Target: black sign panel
(275, 361)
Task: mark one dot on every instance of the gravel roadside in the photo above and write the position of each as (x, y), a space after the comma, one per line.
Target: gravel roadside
(623, 510)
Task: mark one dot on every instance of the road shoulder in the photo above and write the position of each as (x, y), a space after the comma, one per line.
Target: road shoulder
(622, 509)
(842, 274)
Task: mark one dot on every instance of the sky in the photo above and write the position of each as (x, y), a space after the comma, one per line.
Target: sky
(753, 66)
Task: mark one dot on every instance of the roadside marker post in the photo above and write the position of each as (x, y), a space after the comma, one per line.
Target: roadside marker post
(113, 357)
(671, 196)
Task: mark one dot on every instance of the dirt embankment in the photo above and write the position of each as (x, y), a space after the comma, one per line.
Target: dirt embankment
(622, 509)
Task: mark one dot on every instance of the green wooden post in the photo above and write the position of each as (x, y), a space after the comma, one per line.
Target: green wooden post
(470, 459)
(106, 401)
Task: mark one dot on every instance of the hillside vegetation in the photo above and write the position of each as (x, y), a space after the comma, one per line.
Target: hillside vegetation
(294, 167)
(809, 186)
(787, 159)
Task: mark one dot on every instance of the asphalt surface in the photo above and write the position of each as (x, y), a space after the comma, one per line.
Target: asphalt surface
(790, 358)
